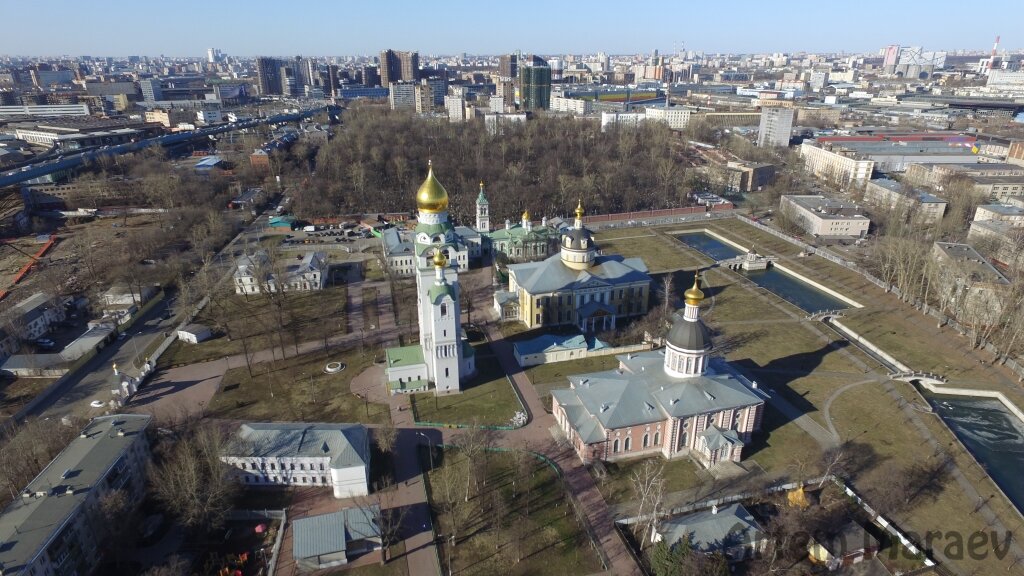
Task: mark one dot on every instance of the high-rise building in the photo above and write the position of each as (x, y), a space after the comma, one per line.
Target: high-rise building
(399, 66)
(152, 89)
(424, 94)
(535, 87)
(890, 55)
(289, 84)
(776, 126)
(211, 55)
(268, 75)
(508, 66)
(332, 80)
(402, 95)
(371, 76)
(440, 87)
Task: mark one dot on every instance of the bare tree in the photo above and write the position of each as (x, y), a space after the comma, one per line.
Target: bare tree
(648, 483)
(386, 436)
(192, 482)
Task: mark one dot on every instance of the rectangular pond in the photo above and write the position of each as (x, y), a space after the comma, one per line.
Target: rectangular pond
(992, 433)
(785, 286)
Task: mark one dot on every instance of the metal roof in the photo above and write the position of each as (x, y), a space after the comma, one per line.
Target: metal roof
(347, 445)
(330, 533)
(712, 531)
(552, 275)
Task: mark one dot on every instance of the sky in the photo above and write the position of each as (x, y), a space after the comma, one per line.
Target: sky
(551, 27)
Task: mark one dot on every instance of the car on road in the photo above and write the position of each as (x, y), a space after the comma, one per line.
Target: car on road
(122, 335)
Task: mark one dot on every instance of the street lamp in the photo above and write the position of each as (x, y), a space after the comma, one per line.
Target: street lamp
(430, 445)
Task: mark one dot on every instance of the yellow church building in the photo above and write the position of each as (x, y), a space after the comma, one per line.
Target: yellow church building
(577, 286)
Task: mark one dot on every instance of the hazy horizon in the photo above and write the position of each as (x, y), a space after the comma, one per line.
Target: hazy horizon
(323, 29)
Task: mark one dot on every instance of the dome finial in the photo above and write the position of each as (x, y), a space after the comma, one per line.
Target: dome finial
(579, 209)
(694, 295)
(431, 197)
(439, 260)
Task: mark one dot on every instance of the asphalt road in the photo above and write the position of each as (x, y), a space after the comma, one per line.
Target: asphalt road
(96, 379)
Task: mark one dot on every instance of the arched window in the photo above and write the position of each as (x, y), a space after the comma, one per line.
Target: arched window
(444, 309)
(615, 446)
(657, 438)
(629, 442)
(646, 440)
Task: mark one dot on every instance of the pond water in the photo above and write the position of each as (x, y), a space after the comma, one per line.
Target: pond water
(992, 433)
(788, 287)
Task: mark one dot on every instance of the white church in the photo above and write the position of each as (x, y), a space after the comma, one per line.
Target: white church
(442, 359)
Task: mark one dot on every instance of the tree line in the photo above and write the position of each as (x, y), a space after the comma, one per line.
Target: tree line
(379, 158)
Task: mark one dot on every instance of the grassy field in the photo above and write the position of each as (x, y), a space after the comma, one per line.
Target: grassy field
(16, 392)
(547, 377)
(308, 316)
(657, 251)
(500, 523)
(616, 486)
(297, 389)
(486, 400)
(371, 315)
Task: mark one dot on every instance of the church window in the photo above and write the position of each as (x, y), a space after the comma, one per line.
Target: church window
(615, 445)
(657, 438)
(444, 309)
(628, 444)
(646, 440)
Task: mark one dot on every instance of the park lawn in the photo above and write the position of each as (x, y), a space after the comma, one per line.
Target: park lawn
(373, 269)
(659, 253)
(680, 474)
(727, 300)
(328, 399)
(371, 315)
(867, 414)
(747, 235)
(781, 448)
(314, 315)
(487, 399)
(498, 524)
(791, 347)
(554, 375)
(614, 233)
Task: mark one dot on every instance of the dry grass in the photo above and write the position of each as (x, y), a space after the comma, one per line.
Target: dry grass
(297, 389)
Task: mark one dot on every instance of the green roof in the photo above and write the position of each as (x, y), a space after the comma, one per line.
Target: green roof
(404, 356)
(439, 291)
(433, 229)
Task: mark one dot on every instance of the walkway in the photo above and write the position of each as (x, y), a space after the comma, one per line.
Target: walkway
(537, 436)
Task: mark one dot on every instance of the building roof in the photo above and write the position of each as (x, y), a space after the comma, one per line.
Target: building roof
(713, 531)
(32, 307)
(851, 538)
(31, 520)
(972, 265)
(1003, 209)
(555, 342)
(347, 445)
(552, 275)
(404, 356)
(324, 534)
(826, 208)
(640, 392)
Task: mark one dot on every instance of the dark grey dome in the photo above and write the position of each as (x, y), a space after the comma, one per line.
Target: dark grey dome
(576, 237)
(687, 335)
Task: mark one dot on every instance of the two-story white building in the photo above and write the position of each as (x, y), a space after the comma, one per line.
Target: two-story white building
(258, 272)
(299, 454)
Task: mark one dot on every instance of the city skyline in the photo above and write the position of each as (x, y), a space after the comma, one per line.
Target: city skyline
(77, 29)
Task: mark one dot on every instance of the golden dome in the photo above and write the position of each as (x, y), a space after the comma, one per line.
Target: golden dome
(439, 260)
(526, 215)
(579, 210)
(431, 197)
(693, 296)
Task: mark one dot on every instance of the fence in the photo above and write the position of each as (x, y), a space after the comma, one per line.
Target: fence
(876, 518)
(1012, 363)
(281, 515)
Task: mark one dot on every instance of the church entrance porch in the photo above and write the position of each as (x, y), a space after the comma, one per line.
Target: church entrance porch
(596, 316)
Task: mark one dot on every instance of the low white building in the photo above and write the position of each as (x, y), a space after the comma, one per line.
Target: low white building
(258, 272)
(677, 117)
(194, 333)
(32, 317)
(835, 163)
(300, 454)
(571, 105)
(124, 295)
(825, 217)
(923, 207)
